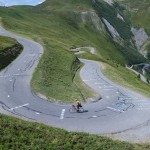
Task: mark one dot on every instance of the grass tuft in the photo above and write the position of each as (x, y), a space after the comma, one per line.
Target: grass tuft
(18, 134)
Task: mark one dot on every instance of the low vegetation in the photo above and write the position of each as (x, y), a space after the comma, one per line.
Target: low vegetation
(18, 134)
(110, 13)
(9, 50)
(140, 12)
(123, 27)
(127, 78)
(6, 42)
(148, 50)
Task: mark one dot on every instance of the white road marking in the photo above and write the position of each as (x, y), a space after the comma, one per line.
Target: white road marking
(125, 98)
(102, 84)
(114, 109)
(19, 106)
(62, 114)
(9, 75)
(16, 74)
(143, 108)
(107, 89)
(97, 83)
(110, 86)
(90, 80)
(37, 113)
(94, 116)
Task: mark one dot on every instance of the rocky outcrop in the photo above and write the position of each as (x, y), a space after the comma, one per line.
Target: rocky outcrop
(140, 37)
(145, 50)
(120, 17)
(144, 69)
(92, 18)
(111, 29)
(113, 32)
(110, 2)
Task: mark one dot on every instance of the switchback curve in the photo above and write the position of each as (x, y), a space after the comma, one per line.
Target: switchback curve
(121, 113)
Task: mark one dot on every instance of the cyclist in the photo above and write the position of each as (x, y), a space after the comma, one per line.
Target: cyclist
(78, 105)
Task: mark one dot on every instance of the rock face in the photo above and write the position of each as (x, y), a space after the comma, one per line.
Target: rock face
(110, 2)
(92, 18)
(145, 50)
(120, 17)
(140, 37)
(111, 29)
(120, 28)
(115, 35)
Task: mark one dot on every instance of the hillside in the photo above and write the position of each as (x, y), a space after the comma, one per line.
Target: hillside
(9, 50)
(101, 30)
(62, 25)
(18, 134)
(139, 12)
(6, 42)
(140, 19)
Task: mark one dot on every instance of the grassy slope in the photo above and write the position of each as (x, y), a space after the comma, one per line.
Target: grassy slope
(17, 134)
(117, 72)
(123, 27)
(121, 76)
(58, 33)
(140, 12)
(58, 27)
(9, 50)
(6, 42)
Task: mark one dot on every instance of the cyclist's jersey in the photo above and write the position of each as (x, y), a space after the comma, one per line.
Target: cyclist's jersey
(78, 103)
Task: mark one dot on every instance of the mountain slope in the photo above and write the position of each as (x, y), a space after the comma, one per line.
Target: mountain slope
(140, 13)
(119, 26)
(133, 40)
(60, 26)
(9, 50)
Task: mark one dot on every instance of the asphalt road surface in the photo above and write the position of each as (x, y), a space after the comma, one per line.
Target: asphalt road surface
(122, 113)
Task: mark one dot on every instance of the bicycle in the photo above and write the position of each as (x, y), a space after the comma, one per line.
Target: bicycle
(74, 109)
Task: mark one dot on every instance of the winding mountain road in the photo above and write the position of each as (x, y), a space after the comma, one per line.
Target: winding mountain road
(121, 113)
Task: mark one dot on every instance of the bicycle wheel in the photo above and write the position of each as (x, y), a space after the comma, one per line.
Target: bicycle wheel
(81, 110)
(72, 110)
